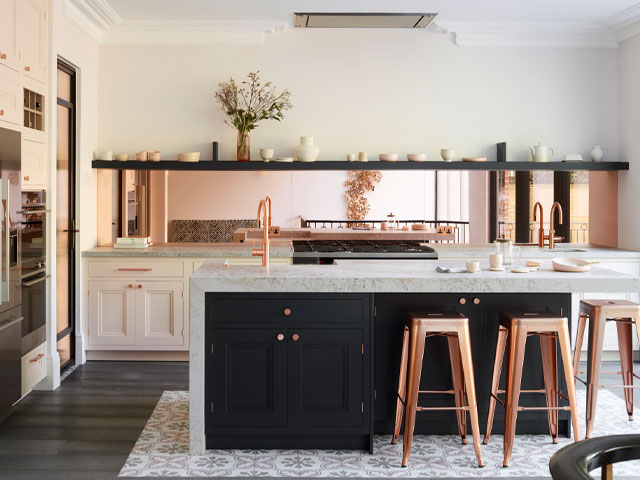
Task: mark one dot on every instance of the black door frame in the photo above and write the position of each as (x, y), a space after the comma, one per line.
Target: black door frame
(561, 194)
(71, 227)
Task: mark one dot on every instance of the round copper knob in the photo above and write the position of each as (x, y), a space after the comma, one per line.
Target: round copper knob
(3, 56)
(462, 301)
(287, 312)
(26, 178)
(27, 69)
(295, 337)
(476, 301)
(130, 286)
(139, 286)
(1, 112)
(280, 337)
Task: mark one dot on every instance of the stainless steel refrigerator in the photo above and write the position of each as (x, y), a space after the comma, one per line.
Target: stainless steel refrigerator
(10, 272)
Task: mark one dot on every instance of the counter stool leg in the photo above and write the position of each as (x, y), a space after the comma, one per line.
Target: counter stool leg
(416, 354)
(515, 359)
(582, 323)
(402, 386)
(565, 351)
(467, 365)
(625, 347)
(458, 376)
(550, 373)
(594, 363)
(495, 381)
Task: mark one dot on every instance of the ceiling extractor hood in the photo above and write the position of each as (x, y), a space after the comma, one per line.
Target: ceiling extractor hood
(362, 20)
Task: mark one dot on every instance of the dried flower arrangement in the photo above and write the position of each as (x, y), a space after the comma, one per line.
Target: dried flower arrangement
(359, 183)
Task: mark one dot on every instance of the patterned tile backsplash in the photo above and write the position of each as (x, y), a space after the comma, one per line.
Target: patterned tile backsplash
(207, 231)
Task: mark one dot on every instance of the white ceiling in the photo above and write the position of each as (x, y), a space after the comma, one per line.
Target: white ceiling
(448, 10)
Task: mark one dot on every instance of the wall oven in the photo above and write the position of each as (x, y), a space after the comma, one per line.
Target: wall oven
(34, 298)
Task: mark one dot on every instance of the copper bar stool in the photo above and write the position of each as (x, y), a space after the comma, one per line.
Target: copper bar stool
(599, 312)
(419, 327)
(513, 331)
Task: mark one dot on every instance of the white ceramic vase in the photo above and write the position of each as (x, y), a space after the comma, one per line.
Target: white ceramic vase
(306, 151)
(597, 153)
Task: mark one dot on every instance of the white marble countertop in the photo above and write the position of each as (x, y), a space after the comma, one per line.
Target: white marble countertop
(193, 250)
(283, 248)
(403, 276)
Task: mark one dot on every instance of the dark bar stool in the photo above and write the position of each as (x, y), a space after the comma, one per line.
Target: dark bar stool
(514, 329)
(599, 312)
(418, 328)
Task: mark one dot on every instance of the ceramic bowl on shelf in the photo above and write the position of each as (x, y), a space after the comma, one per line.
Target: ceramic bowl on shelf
(267, 154)
(388, 157)
(155, 156)
(284, 159)
(189, 157)
(447, 154)
(417, 157)
(474, 159)
(142, 156)
(121, 157)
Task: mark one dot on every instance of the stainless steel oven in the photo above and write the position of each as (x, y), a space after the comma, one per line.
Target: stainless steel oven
(34, 270)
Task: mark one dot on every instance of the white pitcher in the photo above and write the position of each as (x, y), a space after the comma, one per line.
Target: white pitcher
(597, 153)
(541, 153)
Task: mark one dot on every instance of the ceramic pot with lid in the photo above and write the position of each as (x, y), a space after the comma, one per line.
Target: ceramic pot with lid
(541, 153)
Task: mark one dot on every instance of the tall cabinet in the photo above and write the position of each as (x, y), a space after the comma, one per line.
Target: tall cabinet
(24, 54)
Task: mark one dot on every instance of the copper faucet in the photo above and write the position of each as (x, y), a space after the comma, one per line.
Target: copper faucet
(541, 229)
(264, 252)
(267, 201)
(552, 233)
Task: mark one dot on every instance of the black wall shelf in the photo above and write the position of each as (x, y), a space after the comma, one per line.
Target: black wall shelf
(233, 166)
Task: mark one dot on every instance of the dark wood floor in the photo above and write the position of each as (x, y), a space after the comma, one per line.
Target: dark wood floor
(86, 429)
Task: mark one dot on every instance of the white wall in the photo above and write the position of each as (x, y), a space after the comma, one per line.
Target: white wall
(629, 182)
(81, 51)
(378, 91)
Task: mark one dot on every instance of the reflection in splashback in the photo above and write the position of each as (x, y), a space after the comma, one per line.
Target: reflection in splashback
(207, 231)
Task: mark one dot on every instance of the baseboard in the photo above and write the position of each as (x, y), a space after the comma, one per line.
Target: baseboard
(137, 356)
(609, 356)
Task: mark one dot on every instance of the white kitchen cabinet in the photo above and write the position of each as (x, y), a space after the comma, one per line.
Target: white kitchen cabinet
(33, 39)
(10, 100)
(159, 313)
(112, 313)
(9, 37)
(34, 165)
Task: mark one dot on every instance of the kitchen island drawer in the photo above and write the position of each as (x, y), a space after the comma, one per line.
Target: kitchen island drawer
(290, 308)
(137, 269)
(33, 368)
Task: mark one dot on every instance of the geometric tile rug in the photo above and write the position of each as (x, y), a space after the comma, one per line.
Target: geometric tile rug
(163, 450)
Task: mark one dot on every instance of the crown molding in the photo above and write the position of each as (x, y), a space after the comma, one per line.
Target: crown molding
(100, 21)
(625, 24)
(530, 34)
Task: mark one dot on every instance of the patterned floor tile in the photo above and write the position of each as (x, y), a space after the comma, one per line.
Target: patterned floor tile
(162, 450)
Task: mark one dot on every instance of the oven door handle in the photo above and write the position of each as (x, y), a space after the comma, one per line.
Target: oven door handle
(7, 226)
(10, 323)
(30, 283)
(29, 212)
(34, 272)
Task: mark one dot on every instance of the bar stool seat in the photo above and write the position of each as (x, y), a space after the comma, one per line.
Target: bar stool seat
(513, 331)
(599, 312)
(420, 326)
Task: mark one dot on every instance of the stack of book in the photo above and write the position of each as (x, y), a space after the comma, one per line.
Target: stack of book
(132, 242)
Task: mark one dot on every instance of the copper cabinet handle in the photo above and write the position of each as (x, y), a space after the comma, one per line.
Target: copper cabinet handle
(280, 337)
(3, 56)
(462, 301)
(36, 358)
(27, 68)
(130, 286)
(287, 312)
(139, 286)
(26, 178)
(295, 337)
(476, 301)
(133, 269)
(1, 113)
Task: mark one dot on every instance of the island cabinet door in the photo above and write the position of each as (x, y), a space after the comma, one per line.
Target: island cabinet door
(326, 377)
(248, 382)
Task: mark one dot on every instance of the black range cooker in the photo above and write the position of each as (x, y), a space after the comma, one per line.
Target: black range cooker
(326, 251)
